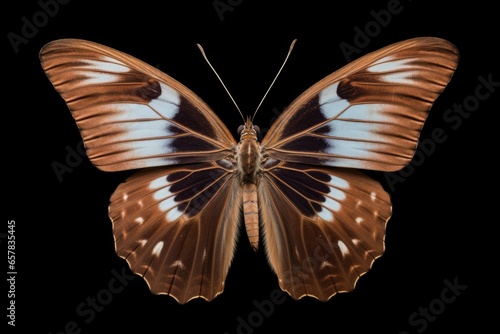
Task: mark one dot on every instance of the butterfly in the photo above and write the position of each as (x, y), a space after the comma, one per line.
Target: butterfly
(301, 191)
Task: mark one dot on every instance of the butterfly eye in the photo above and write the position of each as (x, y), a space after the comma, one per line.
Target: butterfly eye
(257, 129)
(240, 129)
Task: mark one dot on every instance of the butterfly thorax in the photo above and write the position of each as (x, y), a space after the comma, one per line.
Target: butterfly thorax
(248, 155)
(248, 159)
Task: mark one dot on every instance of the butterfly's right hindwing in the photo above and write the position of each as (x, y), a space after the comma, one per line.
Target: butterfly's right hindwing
(323, 226)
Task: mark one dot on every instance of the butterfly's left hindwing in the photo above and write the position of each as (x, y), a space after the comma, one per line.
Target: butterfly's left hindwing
(177, 227)
(130, 114)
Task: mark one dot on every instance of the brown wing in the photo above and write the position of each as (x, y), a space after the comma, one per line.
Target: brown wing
(369, 113)
(323, 226)
(130, 114)
(177, 227)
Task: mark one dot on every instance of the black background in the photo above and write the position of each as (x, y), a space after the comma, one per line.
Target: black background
(445, 215)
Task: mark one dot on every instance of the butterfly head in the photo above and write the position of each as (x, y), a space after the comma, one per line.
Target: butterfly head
(248, 131)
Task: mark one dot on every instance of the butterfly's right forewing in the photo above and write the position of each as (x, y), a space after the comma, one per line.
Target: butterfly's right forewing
(368, 114)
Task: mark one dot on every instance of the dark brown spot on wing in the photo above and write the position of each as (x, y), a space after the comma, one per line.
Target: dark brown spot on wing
(150, 90)
(193, 190)
(304, 190)
(308, 116)
(190, 117)
(346, 90)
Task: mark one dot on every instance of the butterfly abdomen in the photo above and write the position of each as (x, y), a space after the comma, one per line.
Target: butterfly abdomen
(251, 213)
(249, 160)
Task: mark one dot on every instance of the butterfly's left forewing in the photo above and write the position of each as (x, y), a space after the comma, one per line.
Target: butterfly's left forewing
(130, 114)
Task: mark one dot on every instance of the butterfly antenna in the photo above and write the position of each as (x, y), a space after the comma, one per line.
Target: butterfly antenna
(227, 91)
(276, 77)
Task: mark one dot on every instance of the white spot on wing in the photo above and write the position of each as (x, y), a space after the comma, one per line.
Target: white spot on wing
(359, 220)
(146, 148)
(145, 130)
(331, 105)
(325, 264)
(158, 248)
(374, 113)
(179, 264)
(325, 214)
(167, 204)
(402, 77)
(333, 199)
(128, 111)
(343, 248)
(167, 104)
(102, 71)
(332, 204)
(107, 64)
(361, 131)
(387, 64)
(356, 149)
(99, 78)
(139, 220)
(373, 196)
(397, 71)
(158, 183)
(174, 214)
(336, 194)
(143, 242)
(163, 193)
(338, 182)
